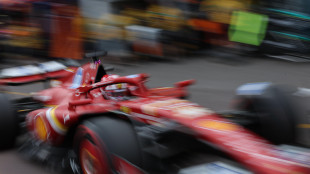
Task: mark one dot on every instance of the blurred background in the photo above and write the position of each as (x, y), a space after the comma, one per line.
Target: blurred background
(132, 31)
(166, 29)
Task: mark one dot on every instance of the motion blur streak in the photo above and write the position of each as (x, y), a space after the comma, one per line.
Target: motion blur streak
(137, 33)
(159, 29)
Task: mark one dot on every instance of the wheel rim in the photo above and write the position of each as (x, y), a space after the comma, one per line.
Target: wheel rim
(92, 159)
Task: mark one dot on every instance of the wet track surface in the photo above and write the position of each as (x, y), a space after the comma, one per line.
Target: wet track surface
(217, 80)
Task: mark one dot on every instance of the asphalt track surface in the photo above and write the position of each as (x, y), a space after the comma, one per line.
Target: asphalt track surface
(217, 79)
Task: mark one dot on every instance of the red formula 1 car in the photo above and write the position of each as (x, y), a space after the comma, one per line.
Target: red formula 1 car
(98, 123)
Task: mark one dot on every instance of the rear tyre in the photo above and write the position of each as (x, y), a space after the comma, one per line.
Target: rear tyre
(99, 140)
(275, 112)
(8, 123)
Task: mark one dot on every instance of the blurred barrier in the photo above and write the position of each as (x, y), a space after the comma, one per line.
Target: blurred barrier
(248, 28)
(66, 34)
(165, 29)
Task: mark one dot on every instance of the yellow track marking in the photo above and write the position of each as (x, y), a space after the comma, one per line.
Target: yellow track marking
(23, 110)
(303, 126)
(16, 93)
(57, 122)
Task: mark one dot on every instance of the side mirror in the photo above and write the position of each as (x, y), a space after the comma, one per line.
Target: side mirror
(84, 88)
(184, 83)
(74, 103)
(144, 76)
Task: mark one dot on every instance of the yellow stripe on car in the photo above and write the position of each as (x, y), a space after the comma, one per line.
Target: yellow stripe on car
(55, 123)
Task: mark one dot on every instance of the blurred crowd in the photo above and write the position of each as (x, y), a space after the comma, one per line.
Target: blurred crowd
(155, 28)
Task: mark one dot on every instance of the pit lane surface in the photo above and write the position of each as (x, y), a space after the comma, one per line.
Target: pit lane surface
(217, 80)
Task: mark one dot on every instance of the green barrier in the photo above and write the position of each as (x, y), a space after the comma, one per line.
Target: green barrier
(248, 28)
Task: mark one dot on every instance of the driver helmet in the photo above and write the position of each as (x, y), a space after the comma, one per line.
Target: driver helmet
(117, 91)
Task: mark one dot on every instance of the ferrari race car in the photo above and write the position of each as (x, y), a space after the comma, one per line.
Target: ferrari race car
(93, 122)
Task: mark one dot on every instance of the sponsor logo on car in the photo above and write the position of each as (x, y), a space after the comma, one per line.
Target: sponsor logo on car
(216, 125)
(180, 108)
(125, 109)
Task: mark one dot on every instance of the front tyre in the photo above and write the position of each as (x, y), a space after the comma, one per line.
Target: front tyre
(275, 110)
(98, 141)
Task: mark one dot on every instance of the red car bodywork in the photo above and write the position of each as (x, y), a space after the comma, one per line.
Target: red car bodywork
(69, 102)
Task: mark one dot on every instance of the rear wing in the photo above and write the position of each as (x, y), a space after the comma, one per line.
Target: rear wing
(33, 73)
